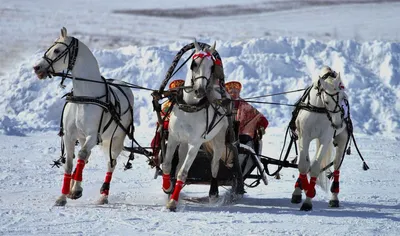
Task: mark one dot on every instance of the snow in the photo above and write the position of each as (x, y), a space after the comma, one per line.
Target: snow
(270, 52)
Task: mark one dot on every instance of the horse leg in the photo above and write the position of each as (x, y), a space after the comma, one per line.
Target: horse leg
(83, 156)
(69, 143)
(217, 154)
(314, 172)
(167, 164)
(341, 141)
(182, 152)
(116, 148)
(182, 175)
(303, 166)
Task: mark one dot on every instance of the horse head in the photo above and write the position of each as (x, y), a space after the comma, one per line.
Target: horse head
(332, 94)
(58, 57)
(199, 77)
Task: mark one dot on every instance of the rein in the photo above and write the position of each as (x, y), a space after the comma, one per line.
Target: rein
(124, 84)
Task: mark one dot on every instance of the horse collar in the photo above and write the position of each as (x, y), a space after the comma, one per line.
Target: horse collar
(182, 105)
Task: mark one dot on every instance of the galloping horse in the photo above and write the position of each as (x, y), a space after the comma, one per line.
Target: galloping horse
(196, 120)
(321, 117)
(98, 111)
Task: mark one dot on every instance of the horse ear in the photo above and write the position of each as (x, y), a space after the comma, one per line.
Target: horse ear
(338, 77)
(212, 49)
(197, 46)
(340, 82)
(63, 32)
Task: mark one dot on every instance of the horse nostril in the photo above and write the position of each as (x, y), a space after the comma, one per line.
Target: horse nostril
(36, 68)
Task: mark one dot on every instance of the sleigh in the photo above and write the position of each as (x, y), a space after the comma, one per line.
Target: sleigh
(254, 166)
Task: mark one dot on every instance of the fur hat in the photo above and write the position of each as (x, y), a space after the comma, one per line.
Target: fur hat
(176, 83)
(233, 85)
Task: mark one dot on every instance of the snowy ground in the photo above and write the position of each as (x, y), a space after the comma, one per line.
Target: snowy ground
(369, 199)
(272, 51)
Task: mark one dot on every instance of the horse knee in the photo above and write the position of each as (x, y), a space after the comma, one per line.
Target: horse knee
(303, 166)
(112, 166)
(83, 154)
(68, 168)
(315, 169)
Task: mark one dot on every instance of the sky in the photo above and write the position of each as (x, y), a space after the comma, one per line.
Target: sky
(273, 51)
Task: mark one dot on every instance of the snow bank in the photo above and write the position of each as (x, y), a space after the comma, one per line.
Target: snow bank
(370, 72)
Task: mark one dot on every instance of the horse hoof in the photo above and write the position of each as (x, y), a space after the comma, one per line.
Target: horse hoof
(103, 200)
(306, 207)
(240, 190)
(171, 205)
(61, 201)
(296, 199)
(213, 198)
(235, 197)
(213, 195)
(76, 194)
(334, 203)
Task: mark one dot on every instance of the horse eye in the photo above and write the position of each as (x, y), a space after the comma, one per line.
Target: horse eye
(327, 103)
(56, 51)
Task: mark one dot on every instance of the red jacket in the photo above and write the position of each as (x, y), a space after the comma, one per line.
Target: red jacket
(250, 119)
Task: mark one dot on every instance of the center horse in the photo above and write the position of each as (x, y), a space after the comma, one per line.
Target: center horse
(322, 116)
(98, 111)
(198, 120)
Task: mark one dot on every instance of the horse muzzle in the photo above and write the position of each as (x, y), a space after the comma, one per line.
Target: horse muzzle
(200, 92)
(41, 72)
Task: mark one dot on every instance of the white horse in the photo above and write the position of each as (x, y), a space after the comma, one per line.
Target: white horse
(322, 117)
(190, 129)
(96, 113)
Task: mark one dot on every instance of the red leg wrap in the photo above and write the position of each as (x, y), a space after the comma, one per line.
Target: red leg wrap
(298, 184)
(105, 188)
(73, 174)
(108, 177)
(335, 183)
(166, 184)
(303, 181)
(78, 170)
(311, 187)
(336, 174)
(177, 190)
(66, 184)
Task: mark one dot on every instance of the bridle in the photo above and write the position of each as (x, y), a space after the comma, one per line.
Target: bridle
(71, 51)
(335, 97)
(203, 55)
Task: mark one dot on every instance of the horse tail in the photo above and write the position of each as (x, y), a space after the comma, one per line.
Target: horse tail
(323, 180)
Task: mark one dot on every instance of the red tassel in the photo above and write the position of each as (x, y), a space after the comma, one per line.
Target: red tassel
(66, 184)
(177, 190)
